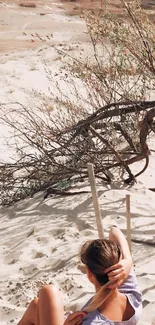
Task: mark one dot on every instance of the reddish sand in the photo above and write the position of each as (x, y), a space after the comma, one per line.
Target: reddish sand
(18, 24)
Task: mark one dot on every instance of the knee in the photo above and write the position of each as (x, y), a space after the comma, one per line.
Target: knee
(49, 287)
(34, 303)
(49, 290)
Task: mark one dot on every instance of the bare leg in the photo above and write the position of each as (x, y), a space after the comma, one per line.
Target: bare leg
(51, 310)
(31, 316)
(45, 310)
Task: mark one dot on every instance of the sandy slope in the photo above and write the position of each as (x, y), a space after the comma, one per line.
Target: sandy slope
(19, 25)
(40, 239)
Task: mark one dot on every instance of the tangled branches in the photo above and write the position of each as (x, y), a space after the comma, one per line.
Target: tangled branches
(60, 156)
(103, 116)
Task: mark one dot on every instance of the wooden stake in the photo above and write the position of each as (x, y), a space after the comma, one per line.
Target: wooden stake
(95, 201)
(128, 220)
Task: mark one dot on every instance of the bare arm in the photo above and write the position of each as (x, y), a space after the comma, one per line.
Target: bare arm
(118, 237)
(119, 272)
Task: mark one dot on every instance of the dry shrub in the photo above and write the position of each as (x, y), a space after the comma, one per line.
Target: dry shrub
(103, 116)
(27, 5)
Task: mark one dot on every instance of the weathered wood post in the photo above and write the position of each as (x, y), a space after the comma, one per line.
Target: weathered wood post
(128, 220)
(95, 200)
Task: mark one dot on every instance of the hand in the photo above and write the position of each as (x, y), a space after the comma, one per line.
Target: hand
(75, 318)
(118, 273)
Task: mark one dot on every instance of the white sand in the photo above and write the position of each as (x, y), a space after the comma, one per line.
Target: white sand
(40, 239)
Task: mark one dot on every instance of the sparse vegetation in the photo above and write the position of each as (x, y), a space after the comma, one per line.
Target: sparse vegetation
(103, 116)
(27, 5)
(11, 91)
(33, 67)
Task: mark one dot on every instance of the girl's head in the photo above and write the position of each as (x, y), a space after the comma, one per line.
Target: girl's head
(98, 255)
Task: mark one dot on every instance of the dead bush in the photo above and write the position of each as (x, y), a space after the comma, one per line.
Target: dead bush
(27, 5)
(105, 118)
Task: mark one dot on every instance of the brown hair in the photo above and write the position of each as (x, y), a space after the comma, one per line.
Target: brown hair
(98, 255)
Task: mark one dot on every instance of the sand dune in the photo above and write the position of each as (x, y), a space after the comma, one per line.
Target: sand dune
(40, 239)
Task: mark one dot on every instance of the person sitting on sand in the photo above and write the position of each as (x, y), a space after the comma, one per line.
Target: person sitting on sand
(117, 301)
